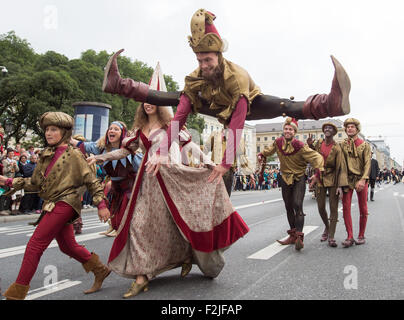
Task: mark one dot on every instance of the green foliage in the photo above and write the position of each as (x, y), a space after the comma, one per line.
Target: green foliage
(37, 83)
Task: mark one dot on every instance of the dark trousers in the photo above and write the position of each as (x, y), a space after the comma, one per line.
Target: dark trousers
(5, 203)
(293, 196)
(228, 181)
(29, 202)
(321, 196)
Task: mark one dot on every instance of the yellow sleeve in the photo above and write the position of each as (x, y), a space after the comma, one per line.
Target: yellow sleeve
(315, 159)
(341, 169)
(367, 160)
(90, 179)
(269, 151)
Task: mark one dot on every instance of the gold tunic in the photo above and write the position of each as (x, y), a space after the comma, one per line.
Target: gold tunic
(293, 161)
(335, 171)
(358, 160)
(66, 181)
(236, 83)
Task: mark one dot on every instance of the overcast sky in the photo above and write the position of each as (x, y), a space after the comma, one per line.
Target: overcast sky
(284, 45)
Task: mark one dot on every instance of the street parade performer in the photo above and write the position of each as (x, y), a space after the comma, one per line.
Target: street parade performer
(334, 178)
(222, 89)
(61, 177)
(174, 218)
(293, 156)
(358, 156)
(122, 173)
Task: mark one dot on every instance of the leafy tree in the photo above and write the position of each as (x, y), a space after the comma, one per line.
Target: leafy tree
(37, 83)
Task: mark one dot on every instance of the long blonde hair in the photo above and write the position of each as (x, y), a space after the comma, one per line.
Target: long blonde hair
(141, 117)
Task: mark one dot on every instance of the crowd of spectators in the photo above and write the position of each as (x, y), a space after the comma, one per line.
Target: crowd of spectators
(390, 175)
(270, 179)
(19, 162)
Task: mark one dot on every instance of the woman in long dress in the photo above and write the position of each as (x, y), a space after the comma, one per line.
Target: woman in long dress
(174, 218)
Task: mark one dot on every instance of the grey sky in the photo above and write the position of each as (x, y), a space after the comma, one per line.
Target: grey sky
(284, 45)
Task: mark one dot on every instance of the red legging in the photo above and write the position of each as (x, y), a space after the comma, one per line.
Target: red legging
(52, 226)
(363, 210)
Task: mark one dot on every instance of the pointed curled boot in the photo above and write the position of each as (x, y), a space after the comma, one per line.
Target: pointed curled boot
(299, 241)
(16, 292)
(113, 83)
(291, 239)
(100, 272)
(139, 91)
(336, 103)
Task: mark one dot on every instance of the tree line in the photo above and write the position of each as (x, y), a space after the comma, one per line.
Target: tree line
(36, 83)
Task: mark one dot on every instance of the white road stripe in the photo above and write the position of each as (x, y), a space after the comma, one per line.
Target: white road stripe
(58, 286)
(6, 230)
(84, 228)
(400, 214)
(257, 204)
(273, 249)
(21, 249)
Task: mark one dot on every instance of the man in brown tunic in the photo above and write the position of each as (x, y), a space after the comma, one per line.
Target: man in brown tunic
(357, 154)
(294, 156)
(334, 178)
(222, 89)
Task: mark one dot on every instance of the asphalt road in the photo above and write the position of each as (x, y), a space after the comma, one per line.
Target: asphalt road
(256, 266)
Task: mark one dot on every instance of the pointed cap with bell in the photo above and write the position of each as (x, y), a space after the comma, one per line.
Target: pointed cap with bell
(205, 37)
(292, 122)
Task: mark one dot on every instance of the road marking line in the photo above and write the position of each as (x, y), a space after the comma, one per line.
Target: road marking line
(21, 249)
(28, 228)
(273, 249)
(256, 204)
(55, 287)
(400, 214)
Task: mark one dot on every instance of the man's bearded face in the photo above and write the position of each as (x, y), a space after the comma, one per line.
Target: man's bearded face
(208, 64)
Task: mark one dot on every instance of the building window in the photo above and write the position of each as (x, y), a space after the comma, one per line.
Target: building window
(305, 136)
(211, 128)
(339, 135)
(258, 138)
(273, 138)
(266, 138)
(258, 149)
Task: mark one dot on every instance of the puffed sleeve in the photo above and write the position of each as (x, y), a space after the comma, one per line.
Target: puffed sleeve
(269, 151)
